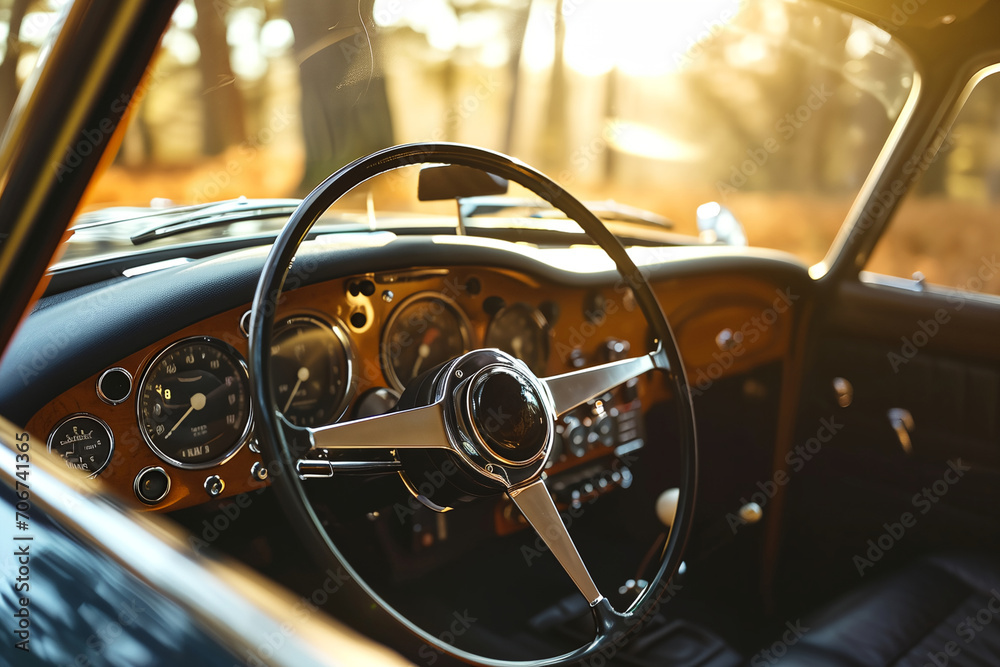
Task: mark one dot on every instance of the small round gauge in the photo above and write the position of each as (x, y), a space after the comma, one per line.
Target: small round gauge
(522, 331)
(84, 441)
(311, 367)
(425, 330)
(194, 403)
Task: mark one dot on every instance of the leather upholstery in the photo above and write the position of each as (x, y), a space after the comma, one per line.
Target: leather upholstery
(942, 610)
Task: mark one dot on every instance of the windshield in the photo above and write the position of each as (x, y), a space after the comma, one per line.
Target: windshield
(776, 110)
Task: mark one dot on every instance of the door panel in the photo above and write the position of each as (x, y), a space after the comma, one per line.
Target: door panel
(937, 356)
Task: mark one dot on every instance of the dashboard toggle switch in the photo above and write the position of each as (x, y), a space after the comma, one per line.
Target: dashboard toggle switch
(901, 422)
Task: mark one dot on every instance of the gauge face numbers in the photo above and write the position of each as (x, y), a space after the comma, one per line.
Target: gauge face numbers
(522, 331)
(425, 330)
(194, 405)
(84, 442)
(311, 367)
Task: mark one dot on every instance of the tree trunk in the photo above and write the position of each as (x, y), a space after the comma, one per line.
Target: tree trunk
(556, 133)
(8, 70)
(345, 107)
(224, 123)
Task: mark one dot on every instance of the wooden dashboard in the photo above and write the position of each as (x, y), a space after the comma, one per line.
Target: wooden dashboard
(725, 325)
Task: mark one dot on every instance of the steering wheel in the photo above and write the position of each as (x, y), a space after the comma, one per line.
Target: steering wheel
(447, 418)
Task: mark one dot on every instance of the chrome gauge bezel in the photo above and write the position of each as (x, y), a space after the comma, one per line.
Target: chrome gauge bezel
(104, 397)
(339, 329)
(543, 329)
(240, 364)
(465, 329)
(104, 424)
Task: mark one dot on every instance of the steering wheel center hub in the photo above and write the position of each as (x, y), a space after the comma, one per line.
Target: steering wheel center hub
(508, 416)
(502, 417)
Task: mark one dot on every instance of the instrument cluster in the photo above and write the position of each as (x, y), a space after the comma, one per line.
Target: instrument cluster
(338, 357)
(170, 424)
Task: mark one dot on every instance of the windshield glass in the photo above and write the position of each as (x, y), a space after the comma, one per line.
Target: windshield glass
(774, 109)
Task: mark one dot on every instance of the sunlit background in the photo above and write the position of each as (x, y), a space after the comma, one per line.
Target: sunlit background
(777, 109)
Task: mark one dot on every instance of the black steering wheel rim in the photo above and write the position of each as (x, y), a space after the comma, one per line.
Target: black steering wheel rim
(613, 628)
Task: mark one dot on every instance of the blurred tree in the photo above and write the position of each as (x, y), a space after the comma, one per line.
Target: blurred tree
(9, 87)
(785, 99)
(345, 108)
(517, 32)
(224, 123)
(555, 141)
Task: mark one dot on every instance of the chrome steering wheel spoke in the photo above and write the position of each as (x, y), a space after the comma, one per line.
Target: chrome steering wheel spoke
(575, 388)
(417, 428)
(538, 508)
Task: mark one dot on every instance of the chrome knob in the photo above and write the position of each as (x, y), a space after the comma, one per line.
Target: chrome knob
(214, 485)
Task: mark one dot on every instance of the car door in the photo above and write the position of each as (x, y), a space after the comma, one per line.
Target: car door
(905, 363)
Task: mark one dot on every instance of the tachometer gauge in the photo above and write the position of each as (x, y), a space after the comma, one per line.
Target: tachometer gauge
(425, 330)
(522, 331)
(311, 367)
(194, 403)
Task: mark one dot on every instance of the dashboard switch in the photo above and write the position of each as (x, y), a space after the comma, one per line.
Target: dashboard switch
(616, 349)
(844, 390)
(214, 485)
(258, 471)
(727, 340)
(902, 423)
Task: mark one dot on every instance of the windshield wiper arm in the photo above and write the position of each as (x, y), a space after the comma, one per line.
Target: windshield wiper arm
(179, 221)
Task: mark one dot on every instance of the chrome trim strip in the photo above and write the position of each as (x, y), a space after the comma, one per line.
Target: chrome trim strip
(852, 221)
(420, 498)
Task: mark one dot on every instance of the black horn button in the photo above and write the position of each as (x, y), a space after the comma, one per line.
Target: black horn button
(509, 416)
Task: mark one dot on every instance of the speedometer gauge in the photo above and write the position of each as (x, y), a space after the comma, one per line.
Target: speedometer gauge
(425, 330)
(522, 331)
(311, 366)
(194, 404)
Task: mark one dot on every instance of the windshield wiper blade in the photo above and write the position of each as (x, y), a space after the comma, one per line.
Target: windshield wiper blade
(608, 209)
(179, 221)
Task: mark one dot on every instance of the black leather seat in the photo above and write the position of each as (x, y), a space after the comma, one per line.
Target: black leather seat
(942, 610)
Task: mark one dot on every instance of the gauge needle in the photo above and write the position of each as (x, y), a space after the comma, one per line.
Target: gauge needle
(197, 403)
(303, 375)
(424, 350)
